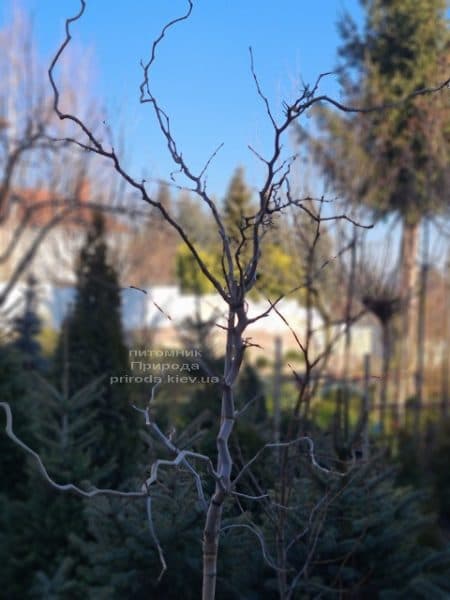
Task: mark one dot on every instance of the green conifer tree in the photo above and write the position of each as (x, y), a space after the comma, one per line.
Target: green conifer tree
(27, 328)
(40, 557)
(360, 536)
(394, 161)
(15, 389)
(92, 343)
(279, 272)
(196, 222)
(19, 359)
(237, 205)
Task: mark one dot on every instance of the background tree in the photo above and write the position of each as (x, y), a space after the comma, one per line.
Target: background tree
(14, 388)
(200, 227)
(40, 556)
(394, 162)
(280, 270)
(20, 359)
(39, 186)
(378, 291)
(369, 538)
(190, 279)
(153, 237)
(27, 328)
(278, 274)
(237, 205)
(92, 345)
(195, 220)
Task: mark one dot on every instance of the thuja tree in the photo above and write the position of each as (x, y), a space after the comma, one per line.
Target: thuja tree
(91, 345)
(235, 281)
(27, 328)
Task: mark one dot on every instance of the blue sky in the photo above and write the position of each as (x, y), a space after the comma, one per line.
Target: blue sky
(202, 76)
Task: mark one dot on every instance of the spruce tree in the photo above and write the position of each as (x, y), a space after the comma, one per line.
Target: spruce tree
(92, 345)
(20, 358)
(15, 388)
(123, 558)
(358, 536)
(40, 556)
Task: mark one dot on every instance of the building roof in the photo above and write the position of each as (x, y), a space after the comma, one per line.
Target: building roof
(40, 205)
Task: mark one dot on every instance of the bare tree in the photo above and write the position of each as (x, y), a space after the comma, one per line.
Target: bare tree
(378, 289)
(241, 259)
(315, 344)
(40, 188)
(240, 263)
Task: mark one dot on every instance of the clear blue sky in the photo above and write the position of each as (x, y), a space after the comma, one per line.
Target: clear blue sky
(202, 76)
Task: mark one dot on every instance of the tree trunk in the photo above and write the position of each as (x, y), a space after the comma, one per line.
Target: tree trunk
(421, 330)
(384, 385)
(211, 532)
(346, 371)
(409, 280)
(235, 347)
(446, 352)
(365, 442)
(211, 535)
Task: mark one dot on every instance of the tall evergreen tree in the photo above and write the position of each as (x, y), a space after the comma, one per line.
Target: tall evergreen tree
(92, 345)
(279, 273)
(394, 161)
(27, 327)
(237, 204)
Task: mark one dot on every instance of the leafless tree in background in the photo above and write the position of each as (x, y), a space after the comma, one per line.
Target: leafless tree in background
(378, 289)
(32, 200)
(42, 183)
